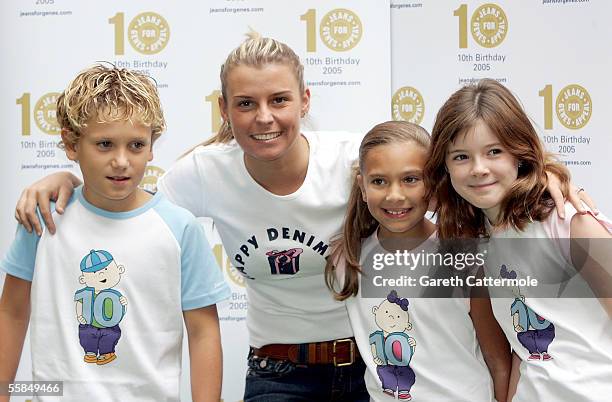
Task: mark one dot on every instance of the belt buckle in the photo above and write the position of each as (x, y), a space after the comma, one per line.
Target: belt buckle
(351, 354)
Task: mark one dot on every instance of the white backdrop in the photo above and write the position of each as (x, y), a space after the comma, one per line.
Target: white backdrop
(344, 45)
(375, 62)
(540, 49)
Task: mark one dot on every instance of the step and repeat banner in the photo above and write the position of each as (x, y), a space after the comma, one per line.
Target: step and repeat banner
(344, 46)
(553, 54)
(365, 62)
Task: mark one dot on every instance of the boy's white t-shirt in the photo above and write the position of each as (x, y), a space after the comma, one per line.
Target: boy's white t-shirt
(571, 337)
(446, 361)
(167, 267)
(279, 243)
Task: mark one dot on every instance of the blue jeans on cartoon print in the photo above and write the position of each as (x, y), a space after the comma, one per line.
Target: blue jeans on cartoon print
(99, 340)
(537, 340)
(283, 381)
(396, 378)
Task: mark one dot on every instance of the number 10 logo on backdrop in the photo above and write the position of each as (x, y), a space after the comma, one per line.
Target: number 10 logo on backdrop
(573, 106)
(148, 33)
(43, 113)
(340, 30)
(488, 25)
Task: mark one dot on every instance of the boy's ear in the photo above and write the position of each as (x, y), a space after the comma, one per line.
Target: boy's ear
(69, 147)
(82, 279)
(359, 179)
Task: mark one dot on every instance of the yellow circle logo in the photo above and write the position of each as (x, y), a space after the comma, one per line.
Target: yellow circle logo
(149, 180)
(340, 30)
(234, 275)
(574, 107)
(44, 113)
(489, 25)
(148, 33)
(407, 104)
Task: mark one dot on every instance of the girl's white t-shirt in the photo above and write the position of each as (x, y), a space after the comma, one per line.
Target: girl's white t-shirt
(565, 343)
(446, 360)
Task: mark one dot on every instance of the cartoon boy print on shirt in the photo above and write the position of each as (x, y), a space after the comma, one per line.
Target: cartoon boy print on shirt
(533, 331)
(99, 308)
(392, 347)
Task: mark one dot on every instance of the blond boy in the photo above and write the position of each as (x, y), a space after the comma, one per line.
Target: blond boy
(110, 119)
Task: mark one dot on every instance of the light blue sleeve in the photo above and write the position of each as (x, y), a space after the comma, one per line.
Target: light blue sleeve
(21, 256)
(202, 282)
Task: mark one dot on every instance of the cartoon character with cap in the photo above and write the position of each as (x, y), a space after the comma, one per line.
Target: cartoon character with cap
(99, 308)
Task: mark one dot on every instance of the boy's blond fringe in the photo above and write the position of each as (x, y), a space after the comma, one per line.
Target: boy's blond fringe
(109, 94)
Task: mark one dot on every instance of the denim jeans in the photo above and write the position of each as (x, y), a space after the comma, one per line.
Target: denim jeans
(271, 380)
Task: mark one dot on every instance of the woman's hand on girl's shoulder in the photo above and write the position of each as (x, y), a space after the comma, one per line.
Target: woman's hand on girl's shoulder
(575, 196)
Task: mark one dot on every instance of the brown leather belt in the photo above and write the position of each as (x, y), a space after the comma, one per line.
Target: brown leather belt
(339, 352)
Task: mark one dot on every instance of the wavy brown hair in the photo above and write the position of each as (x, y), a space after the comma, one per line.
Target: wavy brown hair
(358, 222)
(527, 200)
